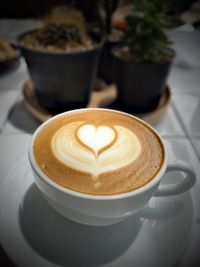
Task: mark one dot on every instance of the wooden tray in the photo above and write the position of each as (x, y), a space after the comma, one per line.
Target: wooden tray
(102, 96)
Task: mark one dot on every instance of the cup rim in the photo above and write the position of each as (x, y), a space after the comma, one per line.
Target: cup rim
(77, 194)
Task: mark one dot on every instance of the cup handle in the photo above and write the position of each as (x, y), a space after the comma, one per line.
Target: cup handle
(179, 187)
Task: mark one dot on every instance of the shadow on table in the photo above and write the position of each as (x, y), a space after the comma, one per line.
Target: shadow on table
(20, 118)
(67, 243)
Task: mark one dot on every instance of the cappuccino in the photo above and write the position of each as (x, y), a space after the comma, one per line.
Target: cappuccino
(98, 152)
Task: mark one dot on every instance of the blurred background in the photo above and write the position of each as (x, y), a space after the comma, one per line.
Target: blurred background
(37, 8)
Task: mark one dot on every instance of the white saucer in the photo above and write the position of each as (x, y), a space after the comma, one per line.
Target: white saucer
(34, 235)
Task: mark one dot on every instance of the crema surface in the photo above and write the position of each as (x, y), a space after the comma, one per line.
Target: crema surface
(98, 152)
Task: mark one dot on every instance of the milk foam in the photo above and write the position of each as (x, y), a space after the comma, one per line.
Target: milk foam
(95, 150)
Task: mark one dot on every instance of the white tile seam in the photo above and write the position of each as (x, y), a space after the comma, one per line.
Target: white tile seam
(187, 135)
(174, 137)
(187, 93)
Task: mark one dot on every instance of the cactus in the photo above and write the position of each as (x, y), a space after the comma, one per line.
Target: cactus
(58, 34)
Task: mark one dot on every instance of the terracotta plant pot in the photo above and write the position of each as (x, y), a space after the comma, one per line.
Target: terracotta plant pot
(62, 81)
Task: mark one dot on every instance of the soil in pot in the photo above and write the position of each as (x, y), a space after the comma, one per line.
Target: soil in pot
(58, 38)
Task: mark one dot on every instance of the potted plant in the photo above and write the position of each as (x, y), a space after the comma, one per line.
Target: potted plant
(61, 57)
(113, 36)
(143, 62)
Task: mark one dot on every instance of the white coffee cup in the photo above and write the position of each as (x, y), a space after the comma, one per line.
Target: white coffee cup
(109, 209)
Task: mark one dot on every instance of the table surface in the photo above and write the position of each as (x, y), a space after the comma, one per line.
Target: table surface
(180, 124)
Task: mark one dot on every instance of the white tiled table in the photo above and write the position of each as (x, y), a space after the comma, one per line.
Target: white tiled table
(180, 125)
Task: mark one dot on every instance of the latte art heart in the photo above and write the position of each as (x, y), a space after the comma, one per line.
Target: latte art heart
(95, 150)
(96, 138)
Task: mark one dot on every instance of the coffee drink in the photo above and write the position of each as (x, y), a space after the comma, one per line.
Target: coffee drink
(98, 152)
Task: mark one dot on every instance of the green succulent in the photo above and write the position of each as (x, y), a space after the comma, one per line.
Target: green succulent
(146, 36)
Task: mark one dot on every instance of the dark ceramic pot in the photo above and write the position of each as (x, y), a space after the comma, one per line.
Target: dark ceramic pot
(62, 81)
(140, 85)
(105, 66)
